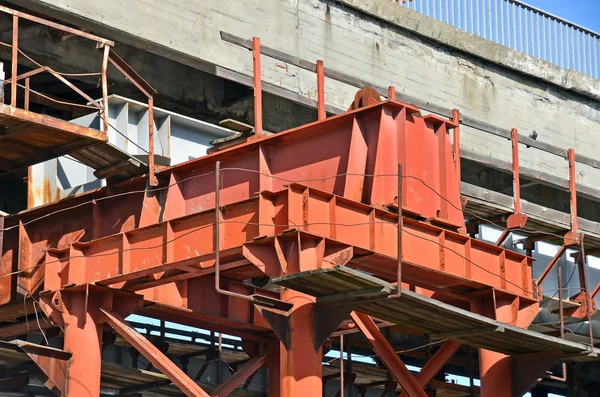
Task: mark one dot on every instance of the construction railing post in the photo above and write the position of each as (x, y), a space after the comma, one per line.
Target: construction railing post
(83, 338)
(392, 93)
(320, 90)
(104, 76)
(257, 87)
(151, 165)
(26, 103)
(573, 191)
(15, 60)
(515, 170)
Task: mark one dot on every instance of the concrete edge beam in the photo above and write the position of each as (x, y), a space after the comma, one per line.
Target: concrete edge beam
(468, 43)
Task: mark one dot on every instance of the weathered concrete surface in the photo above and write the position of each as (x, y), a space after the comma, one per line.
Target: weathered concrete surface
(376, 41)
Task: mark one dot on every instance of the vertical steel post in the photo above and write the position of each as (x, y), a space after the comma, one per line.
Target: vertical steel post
(573, 191)
(342, 365)
(26, 104)
(257, 87)
(392, 93)
(561, 305)
(14, 61)
(83, 338)
(515, 170)
(105, 87)
(320, 90)
(151, 165)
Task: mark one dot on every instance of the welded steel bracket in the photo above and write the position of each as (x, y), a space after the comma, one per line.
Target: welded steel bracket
(279, 322)
(327, 319)
(51, 361)
(528, 368)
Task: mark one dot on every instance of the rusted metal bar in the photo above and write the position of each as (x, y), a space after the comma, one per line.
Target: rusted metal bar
(388, 355)
(502, 238)
(392, 93)
(26, 103)
(435, 363)
(515, 170)
(55, 25)
(551, 265)
(154, 355)
(14, 60)
(561, 305)
(123, 67)
(320, 90)
(399, 240)
(573, 191)
(76, 89)
(257, 87)
(341, 365)
(227, 387)
(105, 87)
(25, 75)
(153, 181)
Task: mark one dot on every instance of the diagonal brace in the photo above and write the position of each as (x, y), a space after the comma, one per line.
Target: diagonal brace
(387, 354)
(253, 365)
(154, 355)
(435, 363)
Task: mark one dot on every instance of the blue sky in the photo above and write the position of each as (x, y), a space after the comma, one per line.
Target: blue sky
(582, 12)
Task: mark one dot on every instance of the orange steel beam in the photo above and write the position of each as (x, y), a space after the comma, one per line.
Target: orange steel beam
(387, 354)
(253, 365)
(320, 90)
(435, 364)
(143, 243)
(152, 354)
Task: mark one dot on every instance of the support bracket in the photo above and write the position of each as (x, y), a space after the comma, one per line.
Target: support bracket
(528, 368)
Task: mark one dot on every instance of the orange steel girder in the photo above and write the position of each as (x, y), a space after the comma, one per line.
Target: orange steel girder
(320, 195)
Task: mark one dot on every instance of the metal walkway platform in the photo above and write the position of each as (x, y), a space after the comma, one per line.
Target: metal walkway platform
(343, 286)
(28, 138)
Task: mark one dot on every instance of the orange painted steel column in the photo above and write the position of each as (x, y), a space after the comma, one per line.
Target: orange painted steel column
(496, 374)
(573, 190)
(515, 169)
(301, 368)
(257, 86)
(495, 369)
(320, 90)
(82, 339)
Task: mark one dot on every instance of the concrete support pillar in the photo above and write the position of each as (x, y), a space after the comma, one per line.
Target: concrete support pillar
(300, 365)
(83, 339)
